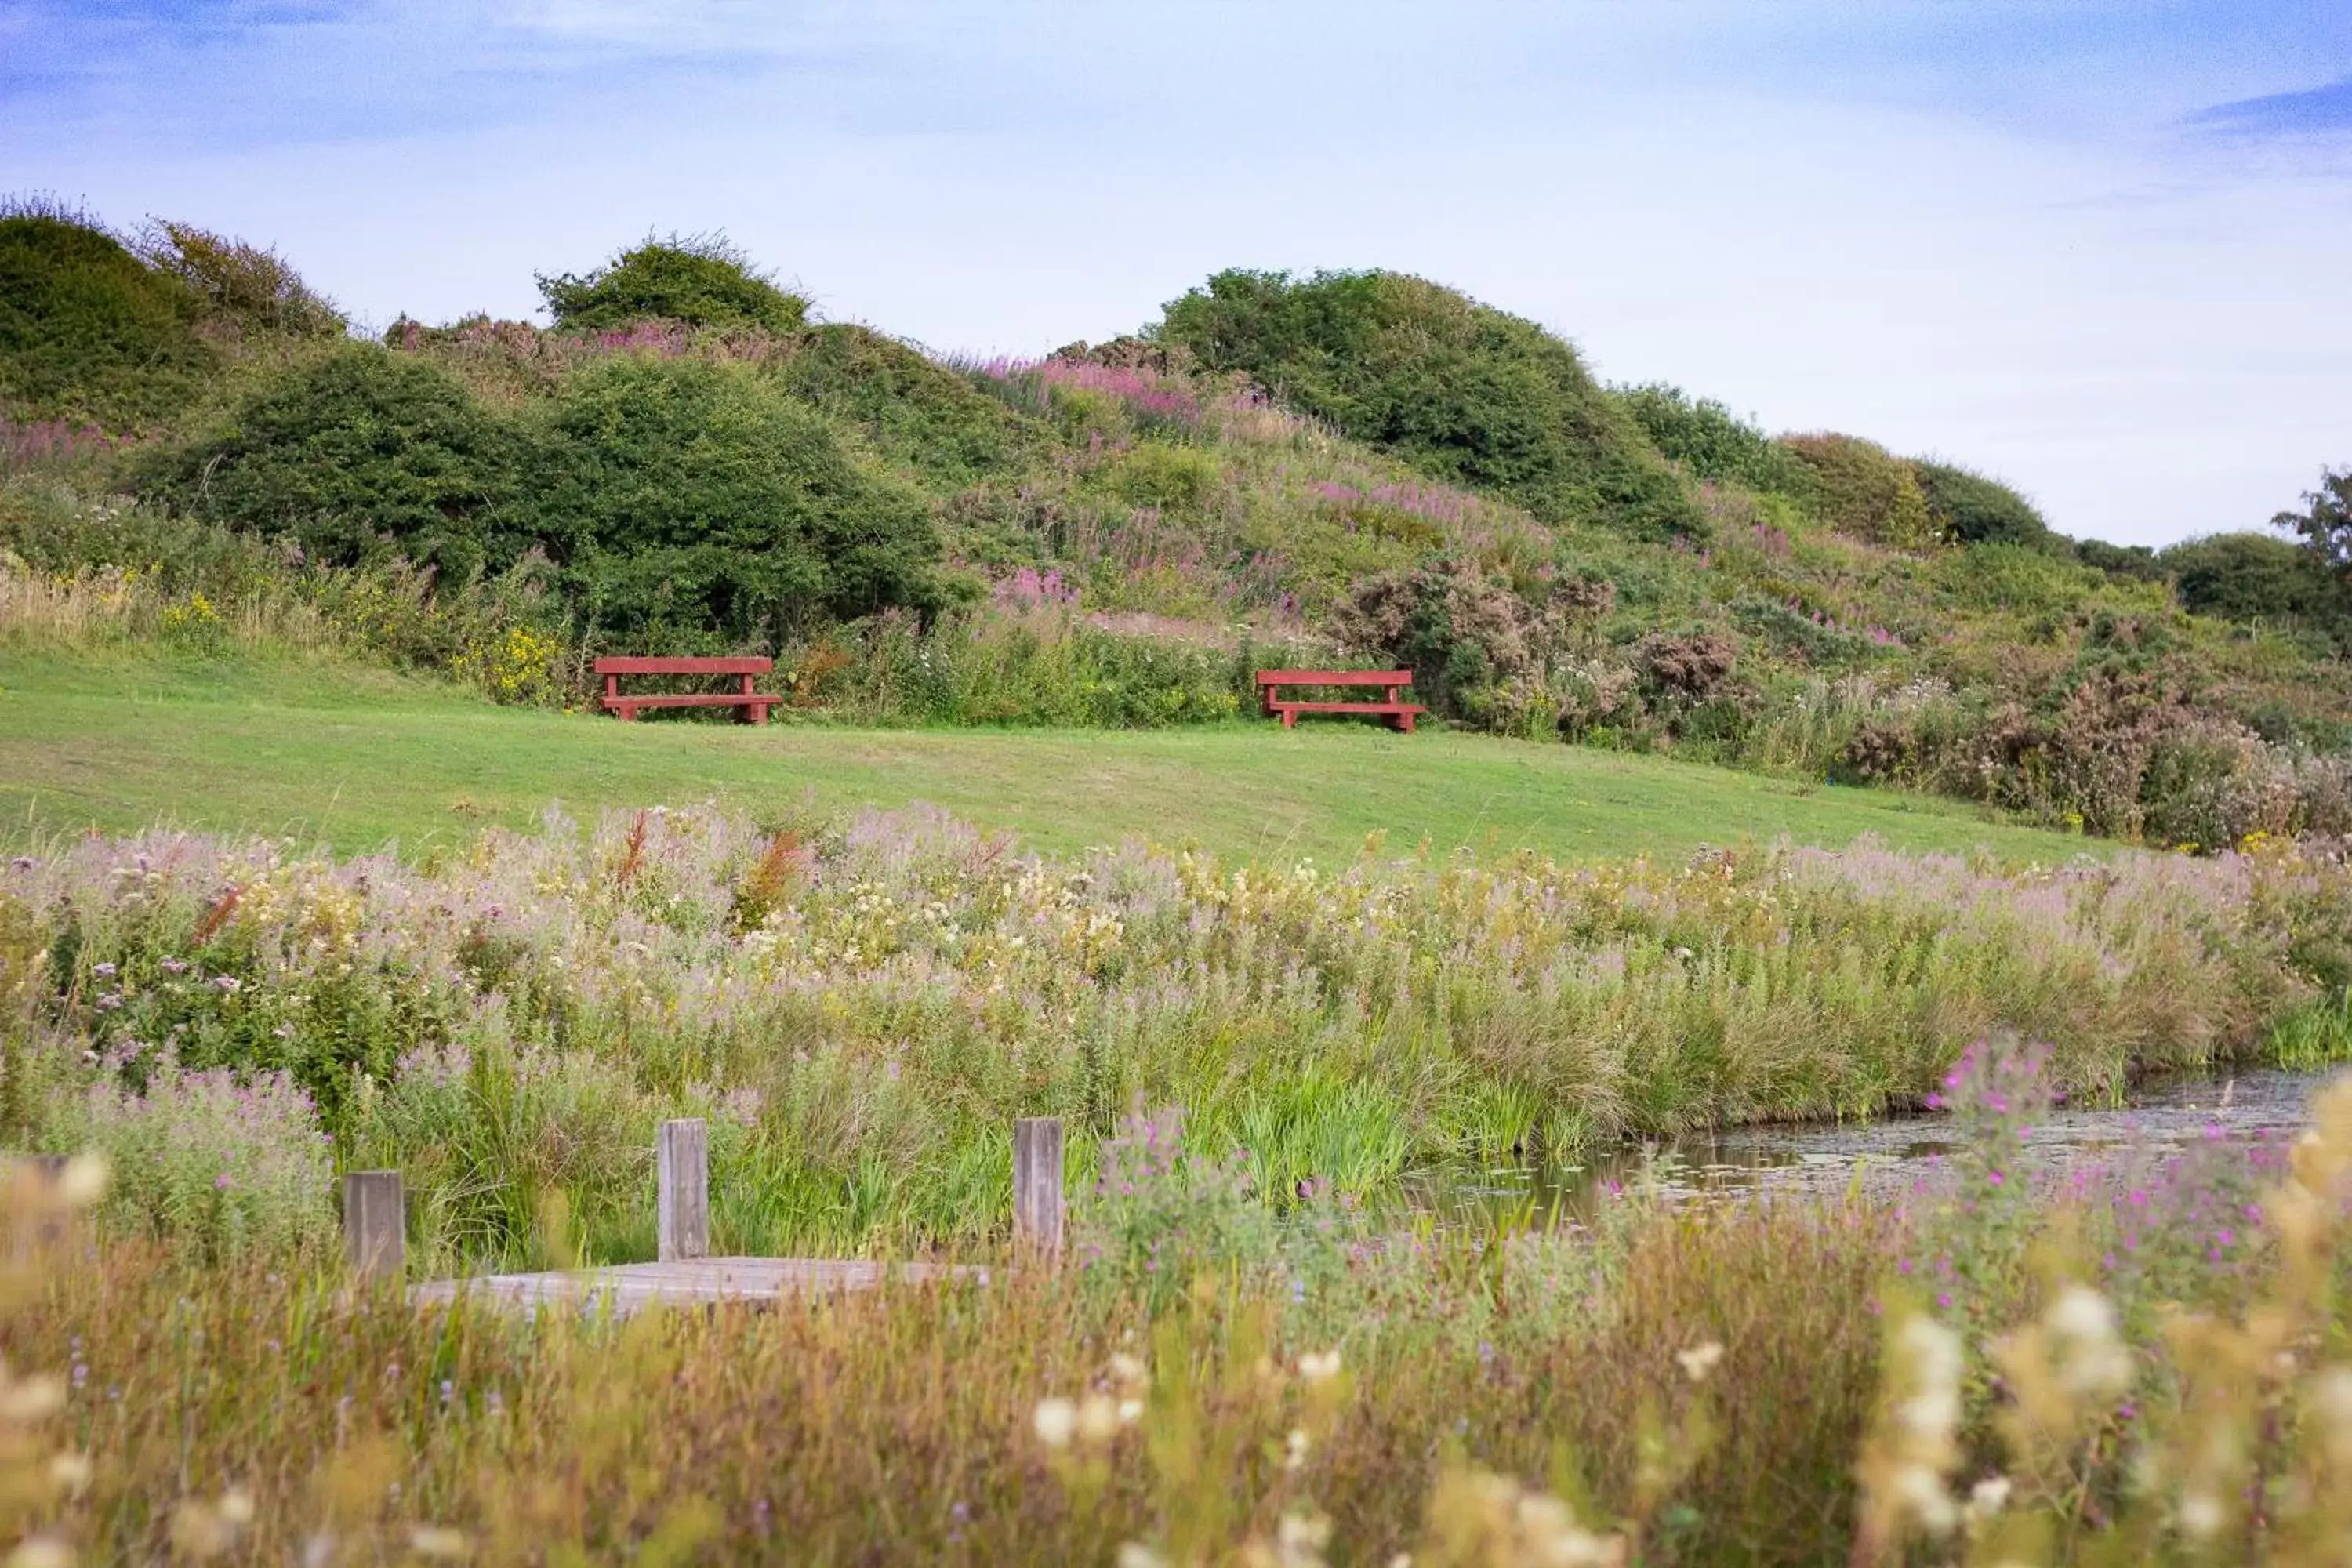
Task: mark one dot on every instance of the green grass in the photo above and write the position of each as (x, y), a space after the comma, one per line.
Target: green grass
(356, 758)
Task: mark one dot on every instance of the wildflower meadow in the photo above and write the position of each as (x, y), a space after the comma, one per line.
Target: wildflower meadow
(862, 1006)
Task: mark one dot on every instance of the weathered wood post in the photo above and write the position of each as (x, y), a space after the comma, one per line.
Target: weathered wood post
(375, 1225)
(1038, 1184)
(682, 1180)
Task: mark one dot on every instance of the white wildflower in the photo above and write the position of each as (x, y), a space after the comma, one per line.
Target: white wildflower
(32, 1398)
(1098, 1418)
(2092, 1357)
(1699, 1360)
(1922, 1494)
(2081, 1314)
(1316, 1368)
(440, 1542)
(1989, 1497)
(1057, 1421)
(83, 1181)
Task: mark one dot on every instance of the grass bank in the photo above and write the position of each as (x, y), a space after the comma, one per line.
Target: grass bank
(354, 757)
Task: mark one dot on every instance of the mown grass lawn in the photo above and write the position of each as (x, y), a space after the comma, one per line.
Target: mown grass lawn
(356, 758)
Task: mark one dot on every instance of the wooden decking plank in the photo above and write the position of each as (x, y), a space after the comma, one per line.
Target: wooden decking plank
(629, 1286)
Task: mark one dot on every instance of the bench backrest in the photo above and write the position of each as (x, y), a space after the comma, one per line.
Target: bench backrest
(644, 666)
(1335, 677)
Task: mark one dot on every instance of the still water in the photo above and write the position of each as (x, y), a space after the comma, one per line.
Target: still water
(1884, 1155)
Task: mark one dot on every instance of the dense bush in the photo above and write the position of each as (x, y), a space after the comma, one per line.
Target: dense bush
(89, 333)
(1711, 441)
(1478, 649)
(921, 413)
(359, 455)
(1459, 389)
(686, 501)
(690, 501)
(2249, 577)
(2133, 561)
(700, 280)
(246, 287)
(1860, 487)
(1973, 509)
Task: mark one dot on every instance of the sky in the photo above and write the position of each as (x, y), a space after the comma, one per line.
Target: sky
(2102, 250)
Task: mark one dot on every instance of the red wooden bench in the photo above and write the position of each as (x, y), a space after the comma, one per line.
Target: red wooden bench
(1398, 712)
(751, 707)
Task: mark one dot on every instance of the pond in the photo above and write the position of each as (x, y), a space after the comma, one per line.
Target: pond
(1829, 1159)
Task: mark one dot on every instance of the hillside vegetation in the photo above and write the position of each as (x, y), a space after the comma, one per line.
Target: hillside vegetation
(1360, 467)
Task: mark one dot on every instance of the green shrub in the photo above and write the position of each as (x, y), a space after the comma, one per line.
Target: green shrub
(1711, 441)
(247, 287)
(1475, 648)
(1154, 473)
(204, 1157)
(1860, 487)
(1041, 667)
(2249, 577)
(699, 279)
(1973, 509)
(2136, 562)
(1458, 389)
(359, 454)
(691, 501)
(2014, 577)
(920, 415)
(1787, 627)
(87, 331)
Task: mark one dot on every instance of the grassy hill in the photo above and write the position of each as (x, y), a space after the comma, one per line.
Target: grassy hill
(354, 757)
(1362, 467)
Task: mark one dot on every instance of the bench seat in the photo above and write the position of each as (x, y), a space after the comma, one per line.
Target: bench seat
(751, 707)
(1392, 683)
(751, 710)
(1401, 713)
(692, 700)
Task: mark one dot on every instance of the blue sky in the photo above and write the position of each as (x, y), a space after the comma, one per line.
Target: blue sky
(2099, 249)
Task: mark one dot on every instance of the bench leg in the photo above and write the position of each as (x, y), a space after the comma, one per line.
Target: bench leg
(1291, 718)
(628, 713)
(1404, 724)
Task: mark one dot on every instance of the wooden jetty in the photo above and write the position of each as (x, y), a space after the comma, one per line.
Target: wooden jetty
(627, 1286)
(375, 1239)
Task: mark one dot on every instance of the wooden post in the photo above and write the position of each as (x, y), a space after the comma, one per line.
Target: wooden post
(682, 1180)
(1038, 1184)
(375, 1225)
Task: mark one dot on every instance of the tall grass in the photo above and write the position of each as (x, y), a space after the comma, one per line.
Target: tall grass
(1768, 1382)
(861, 1009)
